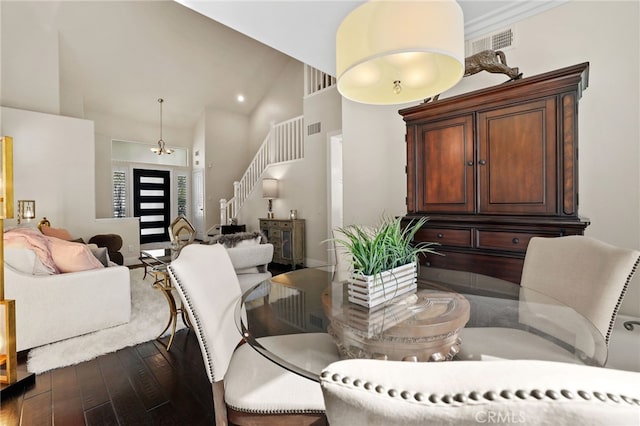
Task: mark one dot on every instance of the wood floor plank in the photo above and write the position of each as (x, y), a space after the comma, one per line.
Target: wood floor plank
(93, 389)
(144, 383)
(43, 384)
(126, 403)
(66, 397)
(37, 410)
(186, 359)
(190, 407)
(101, 415)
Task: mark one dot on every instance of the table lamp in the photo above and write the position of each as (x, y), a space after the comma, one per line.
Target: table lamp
(270, 191)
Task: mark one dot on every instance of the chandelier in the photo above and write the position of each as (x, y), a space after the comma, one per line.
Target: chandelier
(160, 149)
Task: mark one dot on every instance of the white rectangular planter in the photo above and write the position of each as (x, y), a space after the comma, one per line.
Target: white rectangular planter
(372, 290)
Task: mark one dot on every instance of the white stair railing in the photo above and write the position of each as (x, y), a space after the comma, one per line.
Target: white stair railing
(285, 142)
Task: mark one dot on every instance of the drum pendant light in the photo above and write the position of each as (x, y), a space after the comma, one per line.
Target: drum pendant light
(393, 52)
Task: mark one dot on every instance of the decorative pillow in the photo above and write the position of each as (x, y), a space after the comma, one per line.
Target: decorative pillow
(20, 259)
(61, 233)
(240, 239)
(25, 260)
(72, 257)
(101, 253)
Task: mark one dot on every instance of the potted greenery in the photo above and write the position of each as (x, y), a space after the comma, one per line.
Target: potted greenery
(383, 259)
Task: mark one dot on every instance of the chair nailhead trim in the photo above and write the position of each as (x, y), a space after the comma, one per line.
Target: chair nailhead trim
(263, 412)
(613, 397)
(614, 314)
(552, 394)
(537, 394)
(198, 327)
(463, 398)
(584, 395)
(567, 394)
(506, 394)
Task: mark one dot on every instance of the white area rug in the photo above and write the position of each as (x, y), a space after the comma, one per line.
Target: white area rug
(149, 314)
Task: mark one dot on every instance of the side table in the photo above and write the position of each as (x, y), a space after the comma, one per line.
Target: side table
(157, 262)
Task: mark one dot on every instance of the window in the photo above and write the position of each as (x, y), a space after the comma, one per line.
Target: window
(119, 193)
(182, 195)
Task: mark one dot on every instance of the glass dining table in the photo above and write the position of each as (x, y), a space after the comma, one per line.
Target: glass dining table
(496, 319)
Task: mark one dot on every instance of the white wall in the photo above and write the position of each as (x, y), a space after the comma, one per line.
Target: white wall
(282, 102)
(225, 158)
(603, 33)
(30, 67)
(53, 165)
(302, 184)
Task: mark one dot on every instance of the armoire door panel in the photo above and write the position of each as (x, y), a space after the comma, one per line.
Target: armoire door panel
(516, 160)
(445, 166)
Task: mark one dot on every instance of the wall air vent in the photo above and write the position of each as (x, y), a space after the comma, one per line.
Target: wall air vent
(501, 40)
(314, 128)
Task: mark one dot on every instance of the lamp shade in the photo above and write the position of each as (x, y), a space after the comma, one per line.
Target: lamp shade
(269, 188)
(391, 52)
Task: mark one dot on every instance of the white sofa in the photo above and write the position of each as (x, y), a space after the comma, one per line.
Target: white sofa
(250, 255)
(251, 263)
(56, 307)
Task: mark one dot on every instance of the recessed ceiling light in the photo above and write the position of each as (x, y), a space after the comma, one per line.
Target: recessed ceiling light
(240, 98)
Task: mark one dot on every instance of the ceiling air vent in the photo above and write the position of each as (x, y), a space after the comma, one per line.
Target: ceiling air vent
(314, 128)
(500, 40)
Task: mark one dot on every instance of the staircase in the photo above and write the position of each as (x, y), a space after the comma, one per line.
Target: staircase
(285, 142)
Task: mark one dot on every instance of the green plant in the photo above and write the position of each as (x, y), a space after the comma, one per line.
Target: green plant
(387, 246)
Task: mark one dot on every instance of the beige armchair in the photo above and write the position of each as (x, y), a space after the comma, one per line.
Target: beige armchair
(387, 393)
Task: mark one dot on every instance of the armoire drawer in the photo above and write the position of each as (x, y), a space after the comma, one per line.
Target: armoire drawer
(505, 240)
(446, 236)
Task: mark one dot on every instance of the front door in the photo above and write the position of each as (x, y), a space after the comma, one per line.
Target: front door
(152, 204)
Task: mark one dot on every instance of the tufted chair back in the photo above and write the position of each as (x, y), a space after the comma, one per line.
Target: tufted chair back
(388, 393)
(590, 276)
(199, 274)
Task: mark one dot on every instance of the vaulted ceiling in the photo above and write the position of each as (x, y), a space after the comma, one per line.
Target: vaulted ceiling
(121, 56)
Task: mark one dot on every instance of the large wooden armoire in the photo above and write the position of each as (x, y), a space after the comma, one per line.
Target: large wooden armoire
(494, 168)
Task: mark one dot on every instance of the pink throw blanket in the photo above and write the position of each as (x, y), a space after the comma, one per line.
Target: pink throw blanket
(31, 239)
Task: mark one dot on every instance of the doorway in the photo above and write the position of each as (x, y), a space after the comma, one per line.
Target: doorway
(198, 203)
(152, 204)
(335, 202)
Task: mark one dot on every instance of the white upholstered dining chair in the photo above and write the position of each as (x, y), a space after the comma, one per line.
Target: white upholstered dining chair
(588, 275)
(247, 388)
(387, 393)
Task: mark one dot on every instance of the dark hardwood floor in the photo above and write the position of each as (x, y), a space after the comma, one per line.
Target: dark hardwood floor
(138, 385)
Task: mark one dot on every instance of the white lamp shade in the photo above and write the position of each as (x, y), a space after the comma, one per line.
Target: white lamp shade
(269, 188)
(420, 44)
